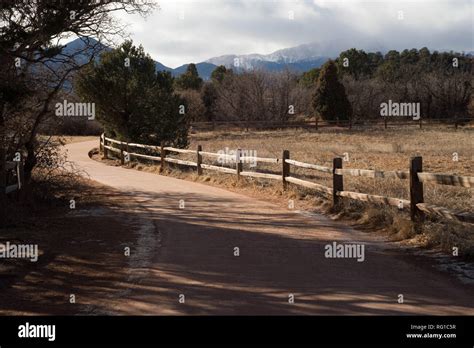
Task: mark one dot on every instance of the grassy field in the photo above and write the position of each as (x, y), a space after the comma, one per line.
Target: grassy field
(374, 149)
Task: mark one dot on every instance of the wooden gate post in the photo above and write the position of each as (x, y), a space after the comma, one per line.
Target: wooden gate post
(163, 157)
(416, 188)
(127, 150)
(238, 166)
(100, 143)
(337, 180)
(285, 168)
(122, 158)
(106, 151)
(199, 160)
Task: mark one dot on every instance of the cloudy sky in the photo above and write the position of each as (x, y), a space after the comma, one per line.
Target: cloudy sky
(185, 31)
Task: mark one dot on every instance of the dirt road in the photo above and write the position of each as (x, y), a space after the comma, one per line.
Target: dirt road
(188, 254)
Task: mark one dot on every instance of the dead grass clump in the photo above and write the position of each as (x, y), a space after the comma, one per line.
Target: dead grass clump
(376, 217)
(447, 236)
(401, 228)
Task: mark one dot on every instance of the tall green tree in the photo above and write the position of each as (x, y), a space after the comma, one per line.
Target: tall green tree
(219, 73)
(133, 101)
(209, 98)
(354, 62)
(309, 79)
(190, 79)
(330, 99)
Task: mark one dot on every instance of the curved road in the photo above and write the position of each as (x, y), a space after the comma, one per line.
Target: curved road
(189, 255)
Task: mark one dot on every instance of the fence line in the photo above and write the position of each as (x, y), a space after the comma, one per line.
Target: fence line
(349, 124)
(418, 208)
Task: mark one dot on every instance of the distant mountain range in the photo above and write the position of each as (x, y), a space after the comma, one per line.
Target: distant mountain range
(299, 58)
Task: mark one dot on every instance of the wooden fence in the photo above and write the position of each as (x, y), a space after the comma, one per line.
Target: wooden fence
(415, 175)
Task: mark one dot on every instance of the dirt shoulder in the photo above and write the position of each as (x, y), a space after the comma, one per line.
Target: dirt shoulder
(82, 267)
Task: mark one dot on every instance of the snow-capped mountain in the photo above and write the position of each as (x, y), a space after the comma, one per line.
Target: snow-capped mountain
(299, 58)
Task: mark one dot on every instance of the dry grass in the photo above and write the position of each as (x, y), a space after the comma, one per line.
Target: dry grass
(374, 149)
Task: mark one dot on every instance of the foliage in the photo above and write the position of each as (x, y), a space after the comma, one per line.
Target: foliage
(330, 99)
(190, 79)
(133, 101)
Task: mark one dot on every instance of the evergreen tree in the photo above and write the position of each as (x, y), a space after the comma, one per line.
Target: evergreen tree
(190, 79)
(209, 98)
(330, 99)
(219, 73)
(132, 100)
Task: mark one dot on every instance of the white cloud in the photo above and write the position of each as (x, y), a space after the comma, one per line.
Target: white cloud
(195, 30)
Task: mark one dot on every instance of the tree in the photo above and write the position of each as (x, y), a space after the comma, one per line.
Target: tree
(209, 98)
(219, 73)
(31, 33)
(354, 62)
(133, 101)
(330, 99)
(190, 79)
(309, 79)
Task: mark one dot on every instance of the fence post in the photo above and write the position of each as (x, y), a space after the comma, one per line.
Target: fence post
(238, 163)
(421, 124)
(106, 151)
(100, 143)
(416, 188)
(285, 168)
(163, 156)
(122, 158)
(337, 180)
(199, 160)
(127, 150)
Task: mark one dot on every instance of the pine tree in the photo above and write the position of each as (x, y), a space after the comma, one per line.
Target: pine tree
(330, 99)
(190, 79)
(133, 101)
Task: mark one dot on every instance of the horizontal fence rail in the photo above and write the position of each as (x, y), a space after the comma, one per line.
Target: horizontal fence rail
(309, 166)
(309, 184)
(416, 205)
(397, 202)
(446, 179)
(374, 173)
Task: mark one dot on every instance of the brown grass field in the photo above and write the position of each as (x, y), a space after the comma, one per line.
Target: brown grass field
(370, 149)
